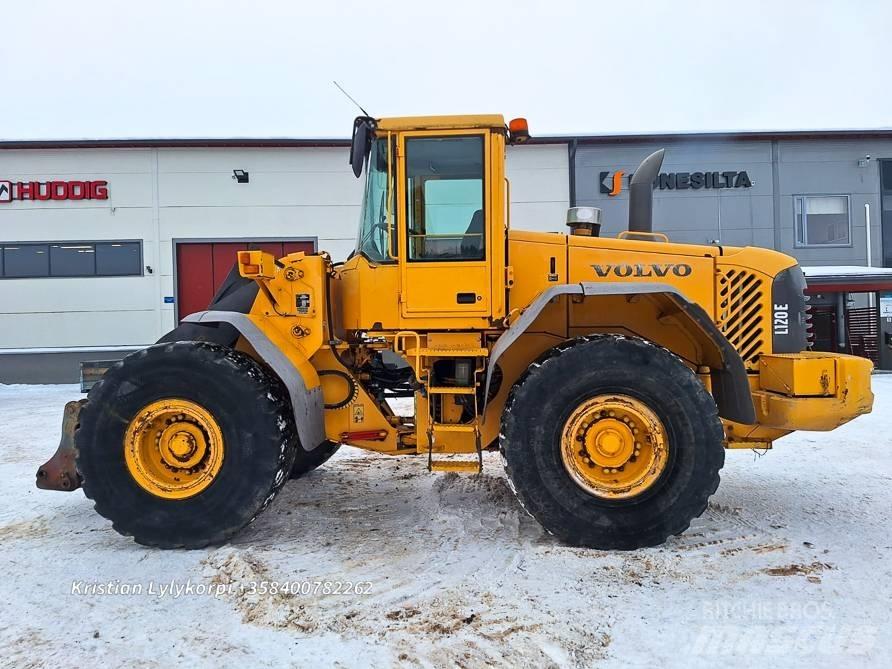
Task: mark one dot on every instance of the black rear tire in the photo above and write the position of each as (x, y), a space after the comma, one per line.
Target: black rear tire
(254, 414)
(539, 406)
(307, 461)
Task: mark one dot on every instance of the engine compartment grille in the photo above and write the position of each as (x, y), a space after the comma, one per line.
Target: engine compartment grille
(741, 306)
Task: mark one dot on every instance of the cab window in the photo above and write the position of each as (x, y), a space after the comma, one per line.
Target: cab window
(444, 198)
(374, 226)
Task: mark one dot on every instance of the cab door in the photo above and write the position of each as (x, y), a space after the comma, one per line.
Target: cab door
(445, 213)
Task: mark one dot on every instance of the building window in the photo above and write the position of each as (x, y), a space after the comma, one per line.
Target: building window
(118, 258)
(70, 259)
(822, 220)
(26, 260)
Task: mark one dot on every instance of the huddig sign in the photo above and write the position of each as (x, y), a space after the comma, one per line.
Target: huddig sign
(41, 191)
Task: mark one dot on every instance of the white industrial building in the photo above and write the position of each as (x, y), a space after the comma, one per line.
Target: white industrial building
(104, 244)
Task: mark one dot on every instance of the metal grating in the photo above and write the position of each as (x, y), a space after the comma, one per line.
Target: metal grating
(862, 333)
(740, 303)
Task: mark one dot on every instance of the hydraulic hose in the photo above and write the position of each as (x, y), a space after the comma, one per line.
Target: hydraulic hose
(332, 339)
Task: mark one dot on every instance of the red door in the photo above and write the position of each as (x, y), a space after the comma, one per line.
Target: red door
(203, 266)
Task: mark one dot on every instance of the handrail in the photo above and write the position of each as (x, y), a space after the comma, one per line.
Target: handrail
(390, 185)
(445, 236)
(507, 204)
(397, 340)
(627, 234)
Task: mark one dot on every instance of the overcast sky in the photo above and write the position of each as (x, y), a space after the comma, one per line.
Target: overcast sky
(258, 68)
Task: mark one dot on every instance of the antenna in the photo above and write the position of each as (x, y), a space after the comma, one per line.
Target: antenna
(340, 88)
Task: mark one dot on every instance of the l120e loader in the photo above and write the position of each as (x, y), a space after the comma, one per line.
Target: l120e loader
(611, 373)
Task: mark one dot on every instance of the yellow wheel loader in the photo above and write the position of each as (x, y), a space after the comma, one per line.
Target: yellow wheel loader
(611, 373)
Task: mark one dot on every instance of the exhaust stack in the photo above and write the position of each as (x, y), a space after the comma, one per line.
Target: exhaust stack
(641, 193)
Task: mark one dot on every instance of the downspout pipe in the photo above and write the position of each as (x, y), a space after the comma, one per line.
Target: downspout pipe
(571, 160)
(841, 343)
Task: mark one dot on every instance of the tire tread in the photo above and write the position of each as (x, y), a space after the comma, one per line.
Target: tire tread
(268, 391)
(529, 383)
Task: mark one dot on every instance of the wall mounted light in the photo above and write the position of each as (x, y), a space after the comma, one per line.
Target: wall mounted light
(865, 161)
(240, 176)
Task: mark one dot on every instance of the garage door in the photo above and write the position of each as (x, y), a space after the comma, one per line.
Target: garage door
(203, 266)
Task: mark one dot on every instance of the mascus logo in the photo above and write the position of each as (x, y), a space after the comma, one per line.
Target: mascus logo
(5, 191)
(643, 270)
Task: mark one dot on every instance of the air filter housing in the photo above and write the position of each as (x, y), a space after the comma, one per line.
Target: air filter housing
(584, 221)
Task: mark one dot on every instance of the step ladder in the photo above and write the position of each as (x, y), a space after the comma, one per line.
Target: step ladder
(455, 463)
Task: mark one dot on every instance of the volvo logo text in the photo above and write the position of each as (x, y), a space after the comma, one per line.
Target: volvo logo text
(641, 270)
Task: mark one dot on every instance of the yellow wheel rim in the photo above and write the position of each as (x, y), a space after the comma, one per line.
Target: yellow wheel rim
(614, 446)
(173, 448)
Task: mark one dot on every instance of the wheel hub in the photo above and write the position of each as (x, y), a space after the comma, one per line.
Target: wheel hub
(614, 446)
(173, 448)
(609, 442)
(182, 444)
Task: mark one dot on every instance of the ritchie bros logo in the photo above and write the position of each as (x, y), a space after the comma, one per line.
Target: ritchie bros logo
(42, 191)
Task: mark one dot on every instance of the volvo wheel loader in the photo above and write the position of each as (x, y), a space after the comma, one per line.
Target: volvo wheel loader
(611, 373)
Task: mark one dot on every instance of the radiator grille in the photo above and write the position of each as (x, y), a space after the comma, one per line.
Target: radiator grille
(741, 306)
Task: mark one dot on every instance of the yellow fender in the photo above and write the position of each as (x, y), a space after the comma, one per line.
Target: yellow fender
(295, 371)
(730, 386)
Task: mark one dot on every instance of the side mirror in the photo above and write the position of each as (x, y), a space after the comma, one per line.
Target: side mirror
(362, 142)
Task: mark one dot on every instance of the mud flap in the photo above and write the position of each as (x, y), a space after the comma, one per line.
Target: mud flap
(235, 294)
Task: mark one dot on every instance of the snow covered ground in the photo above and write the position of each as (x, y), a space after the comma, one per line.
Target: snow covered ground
(789, 566)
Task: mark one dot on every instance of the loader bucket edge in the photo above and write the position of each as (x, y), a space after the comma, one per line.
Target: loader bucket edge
(60, 472)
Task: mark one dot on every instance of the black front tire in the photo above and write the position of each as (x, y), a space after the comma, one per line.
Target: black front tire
(539, 406)
(252, 409)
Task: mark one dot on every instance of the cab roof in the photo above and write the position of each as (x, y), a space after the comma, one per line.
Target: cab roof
(442, 122)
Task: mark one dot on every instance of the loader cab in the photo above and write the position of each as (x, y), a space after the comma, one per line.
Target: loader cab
(433, 221)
